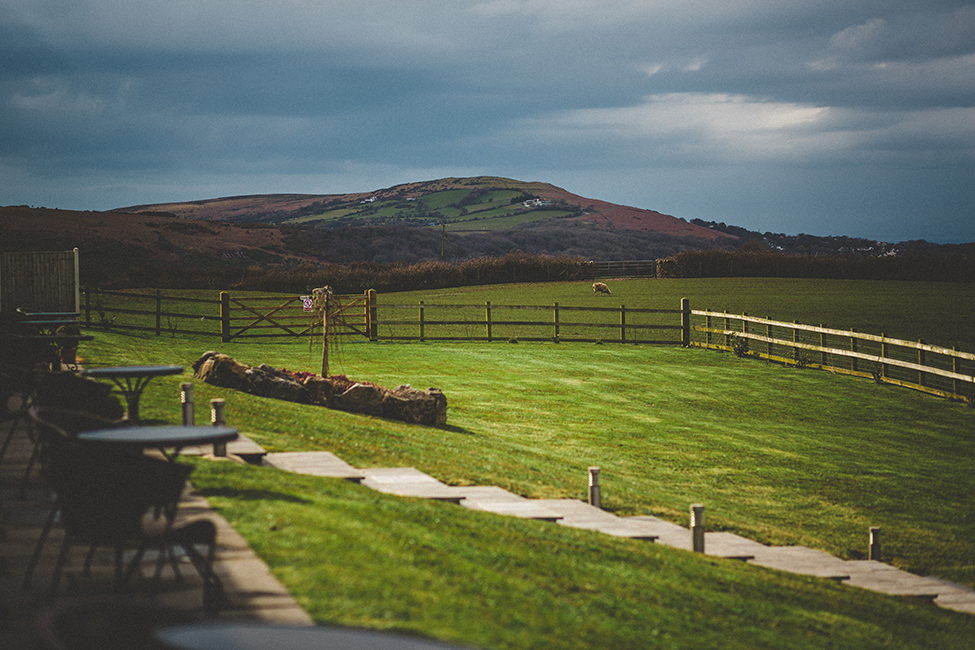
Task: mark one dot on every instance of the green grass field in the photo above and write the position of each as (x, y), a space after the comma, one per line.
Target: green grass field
(491, 210)
(781, 455)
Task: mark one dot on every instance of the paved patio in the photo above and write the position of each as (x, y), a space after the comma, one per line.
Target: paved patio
(252, 592)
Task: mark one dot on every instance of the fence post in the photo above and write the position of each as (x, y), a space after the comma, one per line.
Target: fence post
(487, 319)
(727, 329)
(795, 339)
(421, 320)
(622, 323)
(823, 358)
(372, 315)
(225, 316)
(873, 548)
(158, 312)
(685, 322)
(707, 324)
(884, 368)
(954, 369)
(922, 359)
(77, 279)
(853, 349)
(556, 317)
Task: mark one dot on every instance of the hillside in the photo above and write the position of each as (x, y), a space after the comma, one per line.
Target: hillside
(463, 205)
(112, 244)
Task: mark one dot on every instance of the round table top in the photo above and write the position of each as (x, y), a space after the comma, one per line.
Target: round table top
(261, 636)
(161, 436)
(133, 371)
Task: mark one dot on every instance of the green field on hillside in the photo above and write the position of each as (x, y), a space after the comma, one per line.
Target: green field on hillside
(781, 455)
(461, 209)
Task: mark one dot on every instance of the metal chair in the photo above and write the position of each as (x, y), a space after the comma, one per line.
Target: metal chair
(103, 499)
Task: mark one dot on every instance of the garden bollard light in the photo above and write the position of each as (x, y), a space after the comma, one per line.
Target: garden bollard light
(697, 527)
(595, 498)
(186, 400)
(874, 553)
(218, 418)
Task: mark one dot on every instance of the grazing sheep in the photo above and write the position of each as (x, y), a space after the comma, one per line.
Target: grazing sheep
(599, 287)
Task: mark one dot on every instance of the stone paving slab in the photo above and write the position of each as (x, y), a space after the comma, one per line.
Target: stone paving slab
(520, 507)
(243, 447)
(484, 492)
(802, 560)
(896, 583)
(730, 546)
(579, 514)
(408, 482)
(954, 596)
(315, 463)
(668, 534)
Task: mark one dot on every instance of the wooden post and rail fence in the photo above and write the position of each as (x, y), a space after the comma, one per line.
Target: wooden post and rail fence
(942, 371)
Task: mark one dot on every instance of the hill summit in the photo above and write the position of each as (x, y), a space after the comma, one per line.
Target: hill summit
(459, 205)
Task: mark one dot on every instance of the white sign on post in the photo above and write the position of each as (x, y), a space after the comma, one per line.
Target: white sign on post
(308, 303)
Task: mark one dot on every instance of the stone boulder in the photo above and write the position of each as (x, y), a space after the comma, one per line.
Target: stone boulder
(321, 392)
(418, 406)
(222, 370)
(361, 398)
(271, 382)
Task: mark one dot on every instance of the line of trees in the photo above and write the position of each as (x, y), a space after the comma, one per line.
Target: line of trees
(766, 264)
(357, 277)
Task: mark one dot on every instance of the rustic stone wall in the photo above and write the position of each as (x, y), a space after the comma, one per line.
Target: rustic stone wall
(401, 403)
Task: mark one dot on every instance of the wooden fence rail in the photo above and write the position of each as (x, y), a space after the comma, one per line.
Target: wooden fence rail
(930, 368)
(436, 322)
(625, 269)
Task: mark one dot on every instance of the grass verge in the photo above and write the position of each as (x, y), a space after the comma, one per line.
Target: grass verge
(356, 557)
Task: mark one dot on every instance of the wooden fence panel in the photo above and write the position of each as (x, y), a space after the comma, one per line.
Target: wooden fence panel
(46, 281)
(932, 369)
(625, 269)
(492, 322)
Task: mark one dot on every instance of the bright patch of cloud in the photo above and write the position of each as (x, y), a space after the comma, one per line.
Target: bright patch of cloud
(700, 125)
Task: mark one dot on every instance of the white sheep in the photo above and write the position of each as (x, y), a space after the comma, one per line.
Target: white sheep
(599, 287)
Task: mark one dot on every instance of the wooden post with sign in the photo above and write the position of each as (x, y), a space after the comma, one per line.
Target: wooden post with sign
(322, 304)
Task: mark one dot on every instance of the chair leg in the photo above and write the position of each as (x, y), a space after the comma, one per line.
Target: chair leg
(39, 547)
(119, 567)
(10, 435)
(59, 566)
(30, 465)
(89, 558)
(204, 533)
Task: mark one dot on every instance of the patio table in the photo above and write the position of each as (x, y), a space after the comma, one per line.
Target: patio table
(162, 438)
(131, 381)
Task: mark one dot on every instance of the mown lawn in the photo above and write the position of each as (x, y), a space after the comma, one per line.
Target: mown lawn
(353, 556)
(782, 455)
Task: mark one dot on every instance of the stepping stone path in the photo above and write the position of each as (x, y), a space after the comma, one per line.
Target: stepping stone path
(410, 482)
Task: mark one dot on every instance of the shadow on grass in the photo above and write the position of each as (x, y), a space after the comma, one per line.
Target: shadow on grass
(453, 429)
(250, 495)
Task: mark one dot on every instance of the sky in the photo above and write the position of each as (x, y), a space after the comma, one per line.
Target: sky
(824, 117)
